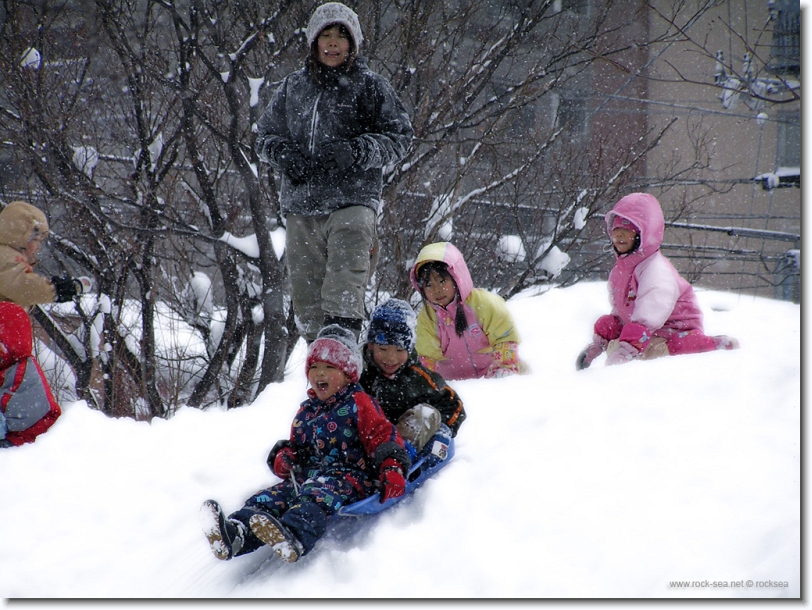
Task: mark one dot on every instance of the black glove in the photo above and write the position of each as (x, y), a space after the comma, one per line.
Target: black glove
(66, 288)
(336, 156)
(293, 163)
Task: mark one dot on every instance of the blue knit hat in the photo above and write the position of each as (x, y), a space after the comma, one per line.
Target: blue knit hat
(393, 323)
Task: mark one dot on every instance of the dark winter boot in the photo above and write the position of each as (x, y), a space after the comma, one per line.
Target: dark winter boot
(268, 528)
(226, 536)
(351, 324)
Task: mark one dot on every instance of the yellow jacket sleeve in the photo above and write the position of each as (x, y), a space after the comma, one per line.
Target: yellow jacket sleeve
(494, 317)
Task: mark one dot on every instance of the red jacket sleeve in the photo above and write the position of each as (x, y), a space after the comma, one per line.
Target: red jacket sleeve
(379, 436)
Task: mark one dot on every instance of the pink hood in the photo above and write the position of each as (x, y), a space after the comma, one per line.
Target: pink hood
(645, 213)
(445, 252)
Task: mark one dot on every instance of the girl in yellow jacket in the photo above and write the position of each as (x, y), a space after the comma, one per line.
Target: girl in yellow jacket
(462, 332)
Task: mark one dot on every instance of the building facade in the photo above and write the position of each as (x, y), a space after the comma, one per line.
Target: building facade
(733, 84)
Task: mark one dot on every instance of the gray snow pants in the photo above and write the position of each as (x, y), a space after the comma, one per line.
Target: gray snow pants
(330, 262)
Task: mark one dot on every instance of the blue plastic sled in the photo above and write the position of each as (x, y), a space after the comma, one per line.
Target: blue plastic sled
(441, 451)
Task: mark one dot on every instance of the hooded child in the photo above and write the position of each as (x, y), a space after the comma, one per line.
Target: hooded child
(654, 310)
(27, 406)
(418, 400)
(462, 332)
(329, 130)
(341, 449)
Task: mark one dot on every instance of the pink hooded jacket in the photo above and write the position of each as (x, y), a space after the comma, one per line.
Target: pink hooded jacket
(644, 287)
(489, 321)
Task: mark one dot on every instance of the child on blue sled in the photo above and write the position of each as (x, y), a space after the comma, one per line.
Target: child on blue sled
(419, 401)
(341, 449)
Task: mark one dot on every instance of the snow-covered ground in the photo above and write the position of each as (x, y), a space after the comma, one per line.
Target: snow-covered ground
(609, 482)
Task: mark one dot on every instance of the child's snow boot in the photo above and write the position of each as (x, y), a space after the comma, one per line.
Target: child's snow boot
(268, 529)
(419, 424)
(725, 342)
(226, 536)
(436, 450)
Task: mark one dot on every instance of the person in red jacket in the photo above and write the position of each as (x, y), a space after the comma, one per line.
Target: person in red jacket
(341, 449)
(27, 406)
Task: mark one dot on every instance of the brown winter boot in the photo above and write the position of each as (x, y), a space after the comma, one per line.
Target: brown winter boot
(277, 536)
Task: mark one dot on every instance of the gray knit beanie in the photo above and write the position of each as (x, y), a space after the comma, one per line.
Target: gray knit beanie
(330, 14)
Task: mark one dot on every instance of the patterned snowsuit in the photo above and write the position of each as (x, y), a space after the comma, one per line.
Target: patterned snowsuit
(339, 446)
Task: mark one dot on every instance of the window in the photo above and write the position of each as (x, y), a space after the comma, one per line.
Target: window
(571, 114)
(785, 52)
(788, 151)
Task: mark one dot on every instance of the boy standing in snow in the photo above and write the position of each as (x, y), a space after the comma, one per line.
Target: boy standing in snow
(329, 131)
(340, 444)
(27, 406)
(462, 332)
(418, 400)
(654, 310)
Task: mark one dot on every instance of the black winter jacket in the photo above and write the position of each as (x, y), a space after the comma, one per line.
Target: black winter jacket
(412, 385)
(356, 105)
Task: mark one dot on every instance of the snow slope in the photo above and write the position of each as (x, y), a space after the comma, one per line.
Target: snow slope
(609, 482)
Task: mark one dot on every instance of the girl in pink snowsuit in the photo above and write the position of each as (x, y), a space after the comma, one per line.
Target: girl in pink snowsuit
(462, 332)
(654, 310)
